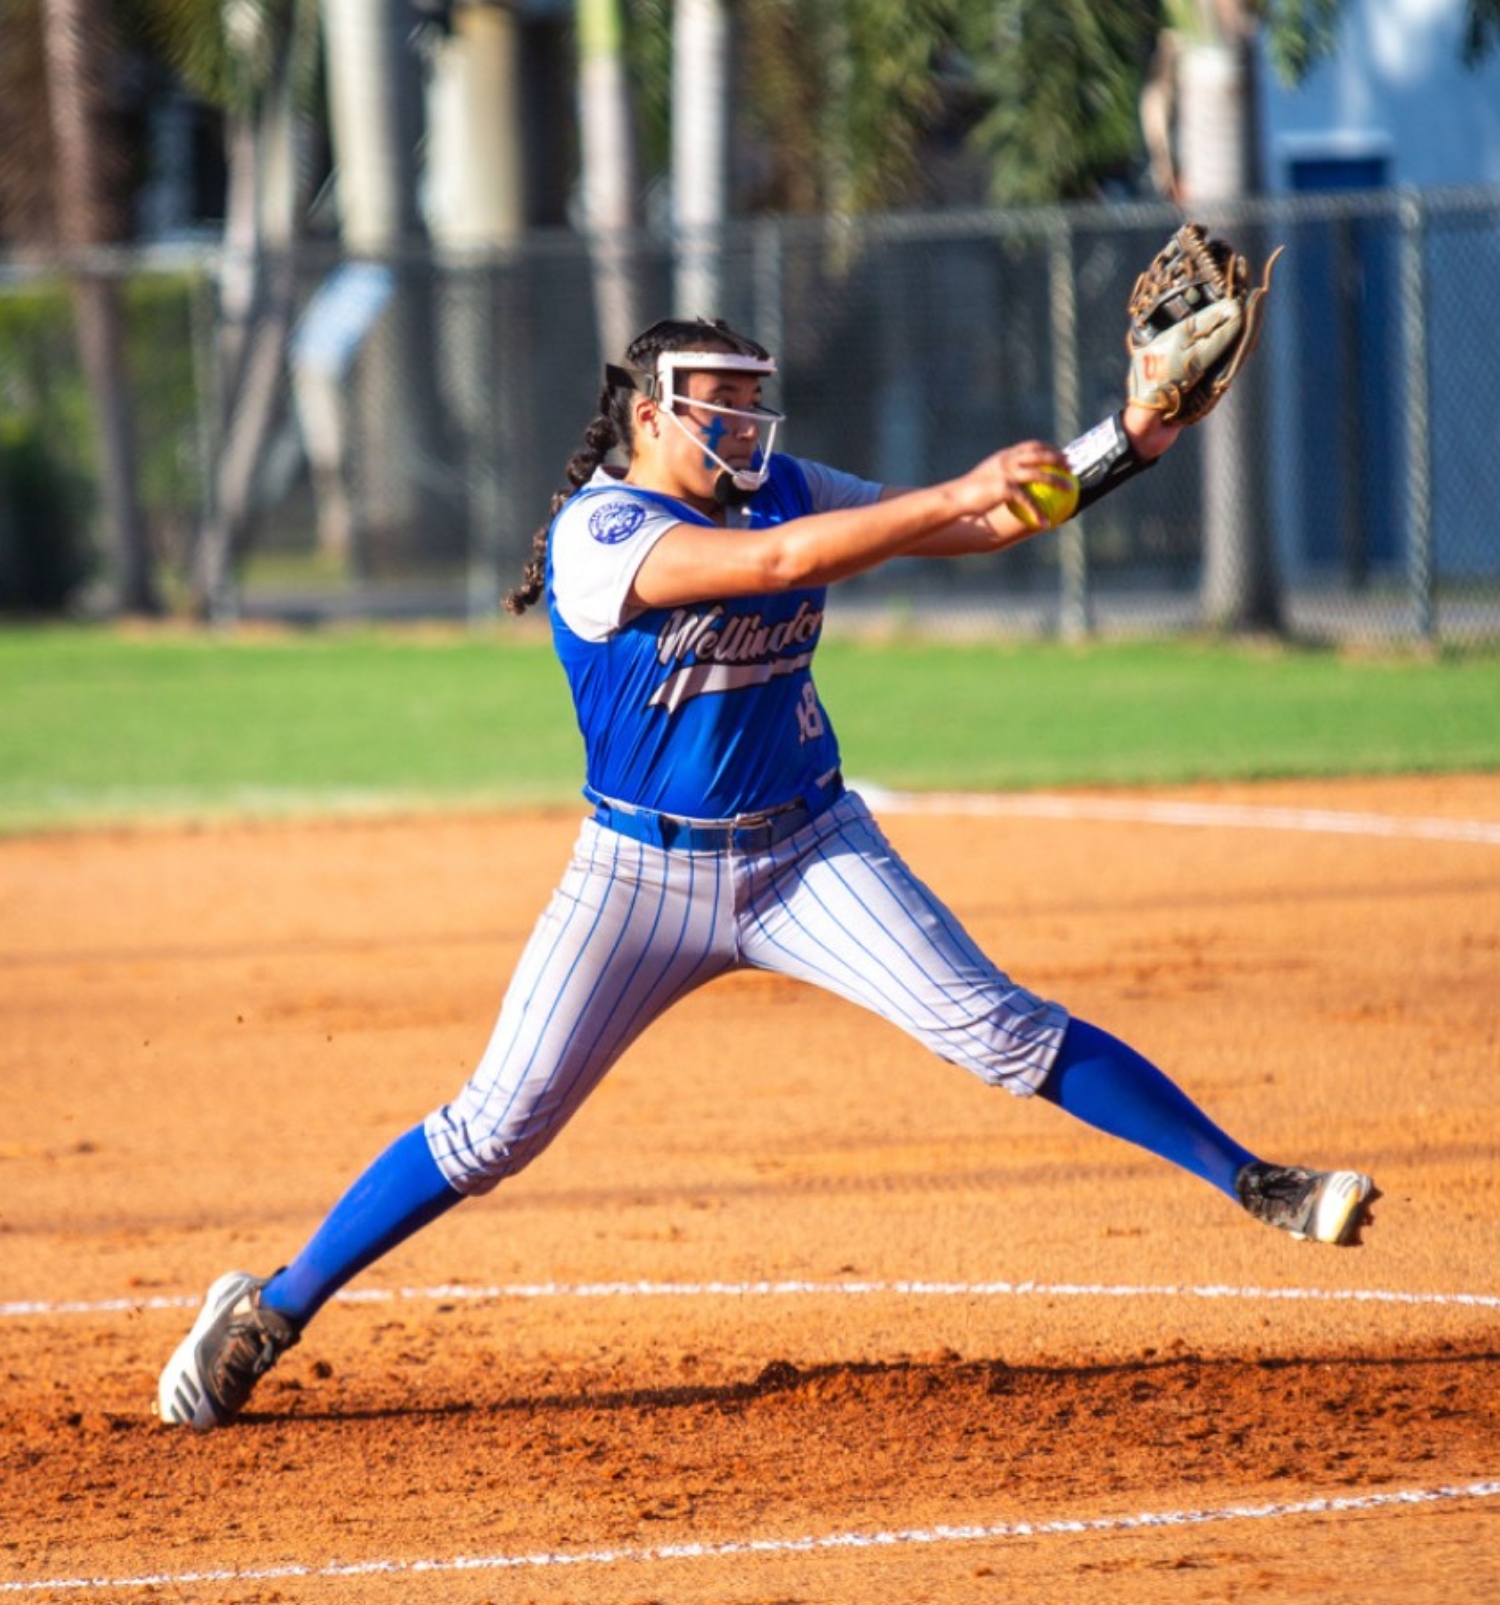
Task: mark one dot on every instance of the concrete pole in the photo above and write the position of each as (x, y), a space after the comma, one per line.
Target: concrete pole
(1239, 589)
(609, 170)
(700, 151)
(475, 180)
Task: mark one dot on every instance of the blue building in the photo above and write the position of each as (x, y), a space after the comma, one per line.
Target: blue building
(1393, 149)
(1395, 106)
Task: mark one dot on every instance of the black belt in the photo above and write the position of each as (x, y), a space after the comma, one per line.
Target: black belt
(748, 833)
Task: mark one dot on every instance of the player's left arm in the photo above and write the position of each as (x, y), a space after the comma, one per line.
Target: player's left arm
(1119, 448)
(1195, 316)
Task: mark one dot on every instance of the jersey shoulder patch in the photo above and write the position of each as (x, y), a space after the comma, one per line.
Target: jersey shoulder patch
(616, 519)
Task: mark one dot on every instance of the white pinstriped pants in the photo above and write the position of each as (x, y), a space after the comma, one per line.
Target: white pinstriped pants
(633, 928)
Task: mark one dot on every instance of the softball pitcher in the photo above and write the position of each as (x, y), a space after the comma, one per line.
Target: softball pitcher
(686, 573)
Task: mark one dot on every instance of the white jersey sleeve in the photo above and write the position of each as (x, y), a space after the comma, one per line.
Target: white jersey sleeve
(598, 542)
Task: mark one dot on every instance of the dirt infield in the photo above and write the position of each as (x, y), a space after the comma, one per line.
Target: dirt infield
(791, 1312)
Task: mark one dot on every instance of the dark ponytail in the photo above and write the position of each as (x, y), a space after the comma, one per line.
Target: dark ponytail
(599, 439)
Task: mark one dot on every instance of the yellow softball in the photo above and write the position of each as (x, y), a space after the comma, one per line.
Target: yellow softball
(1047, 501)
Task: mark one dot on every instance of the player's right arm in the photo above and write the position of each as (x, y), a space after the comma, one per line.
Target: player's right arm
(693, 563)
(1103, 459)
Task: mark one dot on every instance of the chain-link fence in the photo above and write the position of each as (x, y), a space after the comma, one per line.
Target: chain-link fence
(415, 414)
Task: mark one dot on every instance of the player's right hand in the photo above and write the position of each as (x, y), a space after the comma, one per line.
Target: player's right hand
(1003, 477)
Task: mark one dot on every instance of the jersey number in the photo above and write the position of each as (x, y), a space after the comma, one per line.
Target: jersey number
(810, 715)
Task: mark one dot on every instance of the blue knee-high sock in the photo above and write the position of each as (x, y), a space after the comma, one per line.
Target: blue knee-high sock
(401, 1192)
(1101, 1080)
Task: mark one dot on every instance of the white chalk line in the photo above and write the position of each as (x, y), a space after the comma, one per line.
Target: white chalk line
(448, 1292)
(1144, 811)
(756, 1548)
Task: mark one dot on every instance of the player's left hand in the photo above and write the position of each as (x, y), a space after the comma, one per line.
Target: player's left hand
(1195, 319)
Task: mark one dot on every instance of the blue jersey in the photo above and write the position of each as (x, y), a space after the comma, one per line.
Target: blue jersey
(707, 710)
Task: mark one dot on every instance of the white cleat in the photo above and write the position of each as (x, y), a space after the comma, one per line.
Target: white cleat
(1320, 1206)
(233, 1343)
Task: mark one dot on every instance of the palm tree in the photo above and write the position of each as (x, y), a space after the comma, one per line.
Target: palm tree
(376, 124)
(701, 105)
(838, 95)
(255, 62)
(76, 42)
(845, 98)
(1059, 83)
(607, 147)
(1215, 149)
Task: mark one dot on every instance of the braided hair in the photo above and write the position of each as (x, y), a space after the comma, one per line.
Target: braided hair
(613, 425)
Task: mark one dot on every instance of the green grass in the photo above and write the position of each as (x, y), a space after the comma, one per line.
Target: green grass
(99, 725)
(1154, 713)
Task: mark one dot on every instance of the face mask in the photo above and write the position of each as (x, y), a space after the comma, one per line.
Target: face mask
(733, 485)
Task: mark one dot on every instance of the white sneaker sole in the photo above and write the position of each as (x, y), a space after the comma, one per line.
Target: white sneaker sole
(1339, 1210)
(180, 1395)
